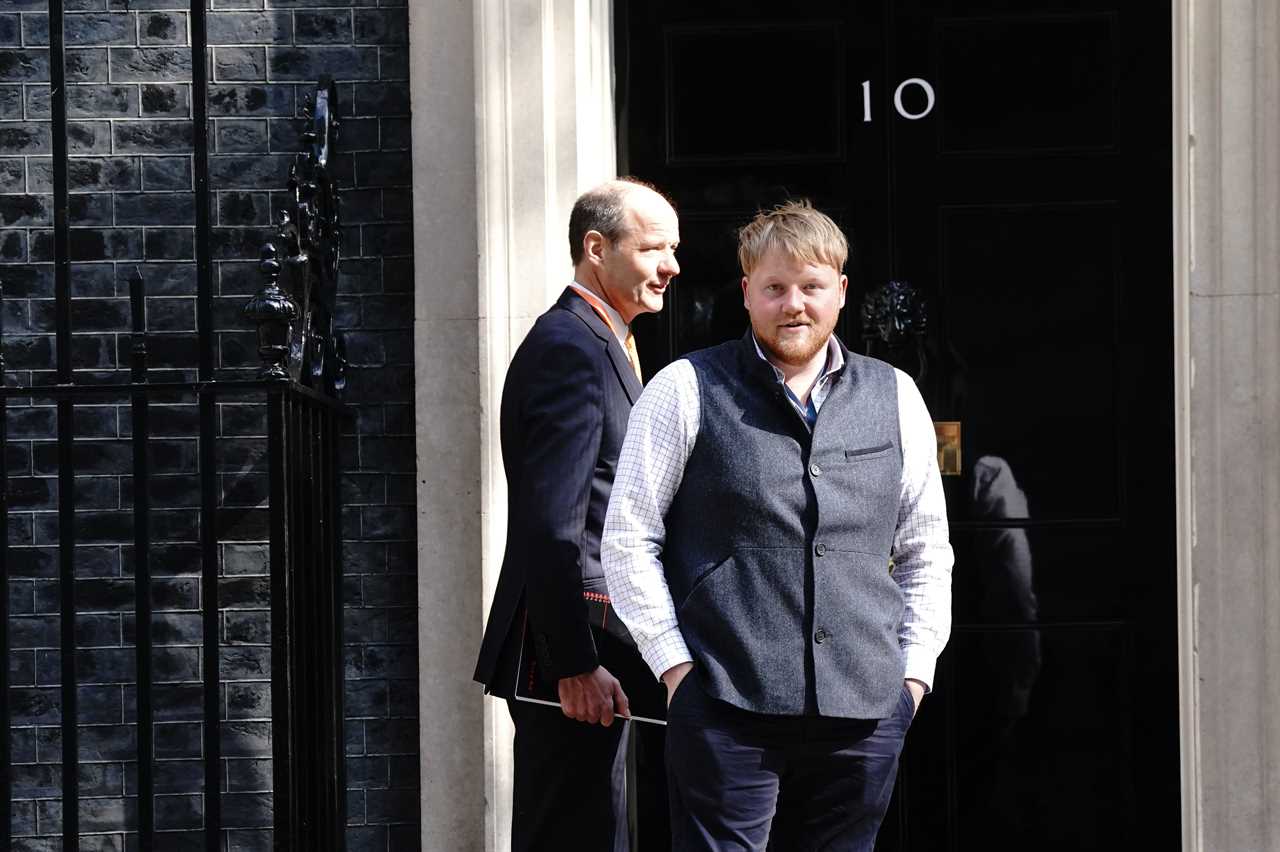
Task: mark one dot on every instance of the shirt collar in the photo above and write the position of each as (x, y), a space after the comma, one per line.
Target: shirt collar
(835, 359)
(615, 322)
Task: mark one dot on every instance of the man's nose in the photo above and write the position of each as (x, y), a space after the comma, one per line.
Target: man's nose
(793, 300)
(670, 266)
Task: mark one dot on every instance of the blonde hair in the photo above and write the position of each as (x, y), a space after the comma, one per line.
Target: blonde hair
(799, 230)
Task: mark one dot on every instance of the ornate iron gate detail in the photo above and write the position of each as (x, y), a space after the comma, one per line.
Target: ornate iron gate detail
(279, 479)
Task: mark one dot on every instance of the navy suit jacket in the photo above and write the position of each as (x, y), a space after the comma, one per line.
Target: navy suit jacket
(565, 404)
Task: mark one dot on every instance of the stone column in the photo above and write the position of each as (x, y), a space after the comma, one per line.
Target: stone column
(512, 119)
(1227, 200)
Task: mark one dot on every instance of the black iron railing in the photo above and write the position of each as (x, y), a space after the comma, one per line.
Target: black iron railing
(292, 483)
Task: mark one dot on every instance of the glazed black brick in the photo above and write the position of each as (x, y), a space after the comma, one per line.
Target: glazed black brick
(11, 104)
(99, 705)
(13, 176)
(103, 173)
(182, 811)
(86, 244)
(161, 279)
(29, 353)
(366, 773)
(33, 562)
(93, 279)
(88, 65)
(170, 244)
(173, 208)
(168, 628)
(153, 137)
(382, 99)
(234, 136)
(22, 663)
(24, 65)
(170, 100)
(248, 775)
(229, 100)
(89, 210)
(382, 169)
(237, 244)
(239, 63)
(248, 700)
(177, 740)
(100, 314)
(247, 628)
(176, 776)
(245, 559)
(389, 661)
(246, 810)
(381, 26)
(88, 137)
(236, 172)
(350, 63)
(393, 63)
(244, 663)
(327, 26)
(162, 28)
(387, 806)
(83, 30)
(286, 135)
(397, 204)
(161, 173)
(246, 739)
(385, 240)
(178, 701)
(366, 698)
(24, 138)
(249, 28)
(151, 64)
(243, 208)
(89, 101)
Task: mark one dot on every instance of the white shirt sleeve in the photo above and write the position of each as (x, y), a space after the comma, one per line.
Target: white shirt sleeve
(922, 554)
(660, 436)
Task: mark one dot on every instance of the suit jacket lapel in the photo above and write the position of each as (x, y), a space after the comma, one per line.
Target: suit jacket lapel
(576, 305)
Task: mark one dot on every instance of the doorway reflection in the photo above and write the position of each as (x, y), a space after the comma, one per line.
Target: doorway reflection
(998, 583)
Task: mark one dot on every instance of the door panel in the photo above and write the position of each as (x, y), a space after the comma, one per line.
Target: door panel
(1031, 209)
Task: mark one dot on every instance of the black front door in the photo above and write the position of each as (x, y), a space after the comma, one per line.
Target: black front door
(1010, 162)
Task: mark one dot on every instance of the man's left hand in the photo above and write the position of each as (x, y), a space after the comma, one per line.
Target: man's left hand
(916, 688)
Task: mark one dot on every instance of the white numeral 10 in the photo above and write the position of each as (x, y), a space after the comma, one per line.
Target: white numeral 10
(897, 99)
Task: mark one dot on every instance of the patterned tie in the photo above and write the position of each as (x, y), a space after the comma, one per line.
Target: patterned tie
(633, 355)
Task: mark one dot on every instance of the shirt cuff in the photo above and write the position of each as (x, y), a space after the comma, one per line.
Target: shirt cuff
(920, 665)
(666, 650)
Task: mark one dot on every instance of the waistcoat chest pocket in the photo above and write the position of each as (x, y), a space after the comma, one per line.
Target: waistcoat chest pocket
(864, 453)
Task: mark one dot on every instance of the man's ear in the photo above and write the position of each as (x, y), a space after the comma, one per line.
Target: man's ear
(593, 246)
(746, 303)
(844, 286)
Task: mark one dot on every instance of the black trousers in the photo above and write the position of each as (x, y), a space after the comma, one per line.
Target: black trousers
(571, 789)
(744, 781)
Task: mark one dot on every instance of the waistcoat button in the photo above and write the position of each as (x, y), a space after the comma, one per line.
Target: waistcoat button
(815, 469)
(821, 635)
(820, 549)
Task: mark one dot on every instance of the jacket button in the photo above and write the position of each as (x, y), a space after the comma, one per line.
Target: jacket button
(815, 469)
(820, 549)
(821, 635)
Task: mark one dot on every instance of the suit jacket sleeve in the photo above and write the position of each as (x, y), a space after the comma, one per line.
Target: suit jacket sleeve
(562, 420)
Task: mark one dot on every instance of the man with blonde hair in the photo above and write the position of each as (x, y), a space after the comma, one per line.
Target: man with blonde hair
(776, 542)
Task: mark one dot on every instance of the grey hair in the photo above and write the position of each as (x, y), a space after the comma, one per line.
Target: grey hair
(602, 208)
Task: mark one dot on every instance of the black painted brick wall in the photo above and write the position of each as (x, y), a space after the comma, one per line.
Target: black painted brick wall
(131, 141)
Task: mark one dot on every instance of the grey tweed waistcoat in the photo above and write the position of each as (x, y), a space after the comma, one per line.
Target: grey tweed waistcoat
(778, 540)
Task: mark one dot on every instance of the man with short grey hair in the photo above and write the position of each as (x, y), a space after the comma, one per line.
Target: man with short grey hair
(565, 403)
(777, 545)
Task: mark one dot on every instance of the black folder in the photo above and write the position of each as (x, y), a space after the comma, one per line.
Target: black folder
(616, 651)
